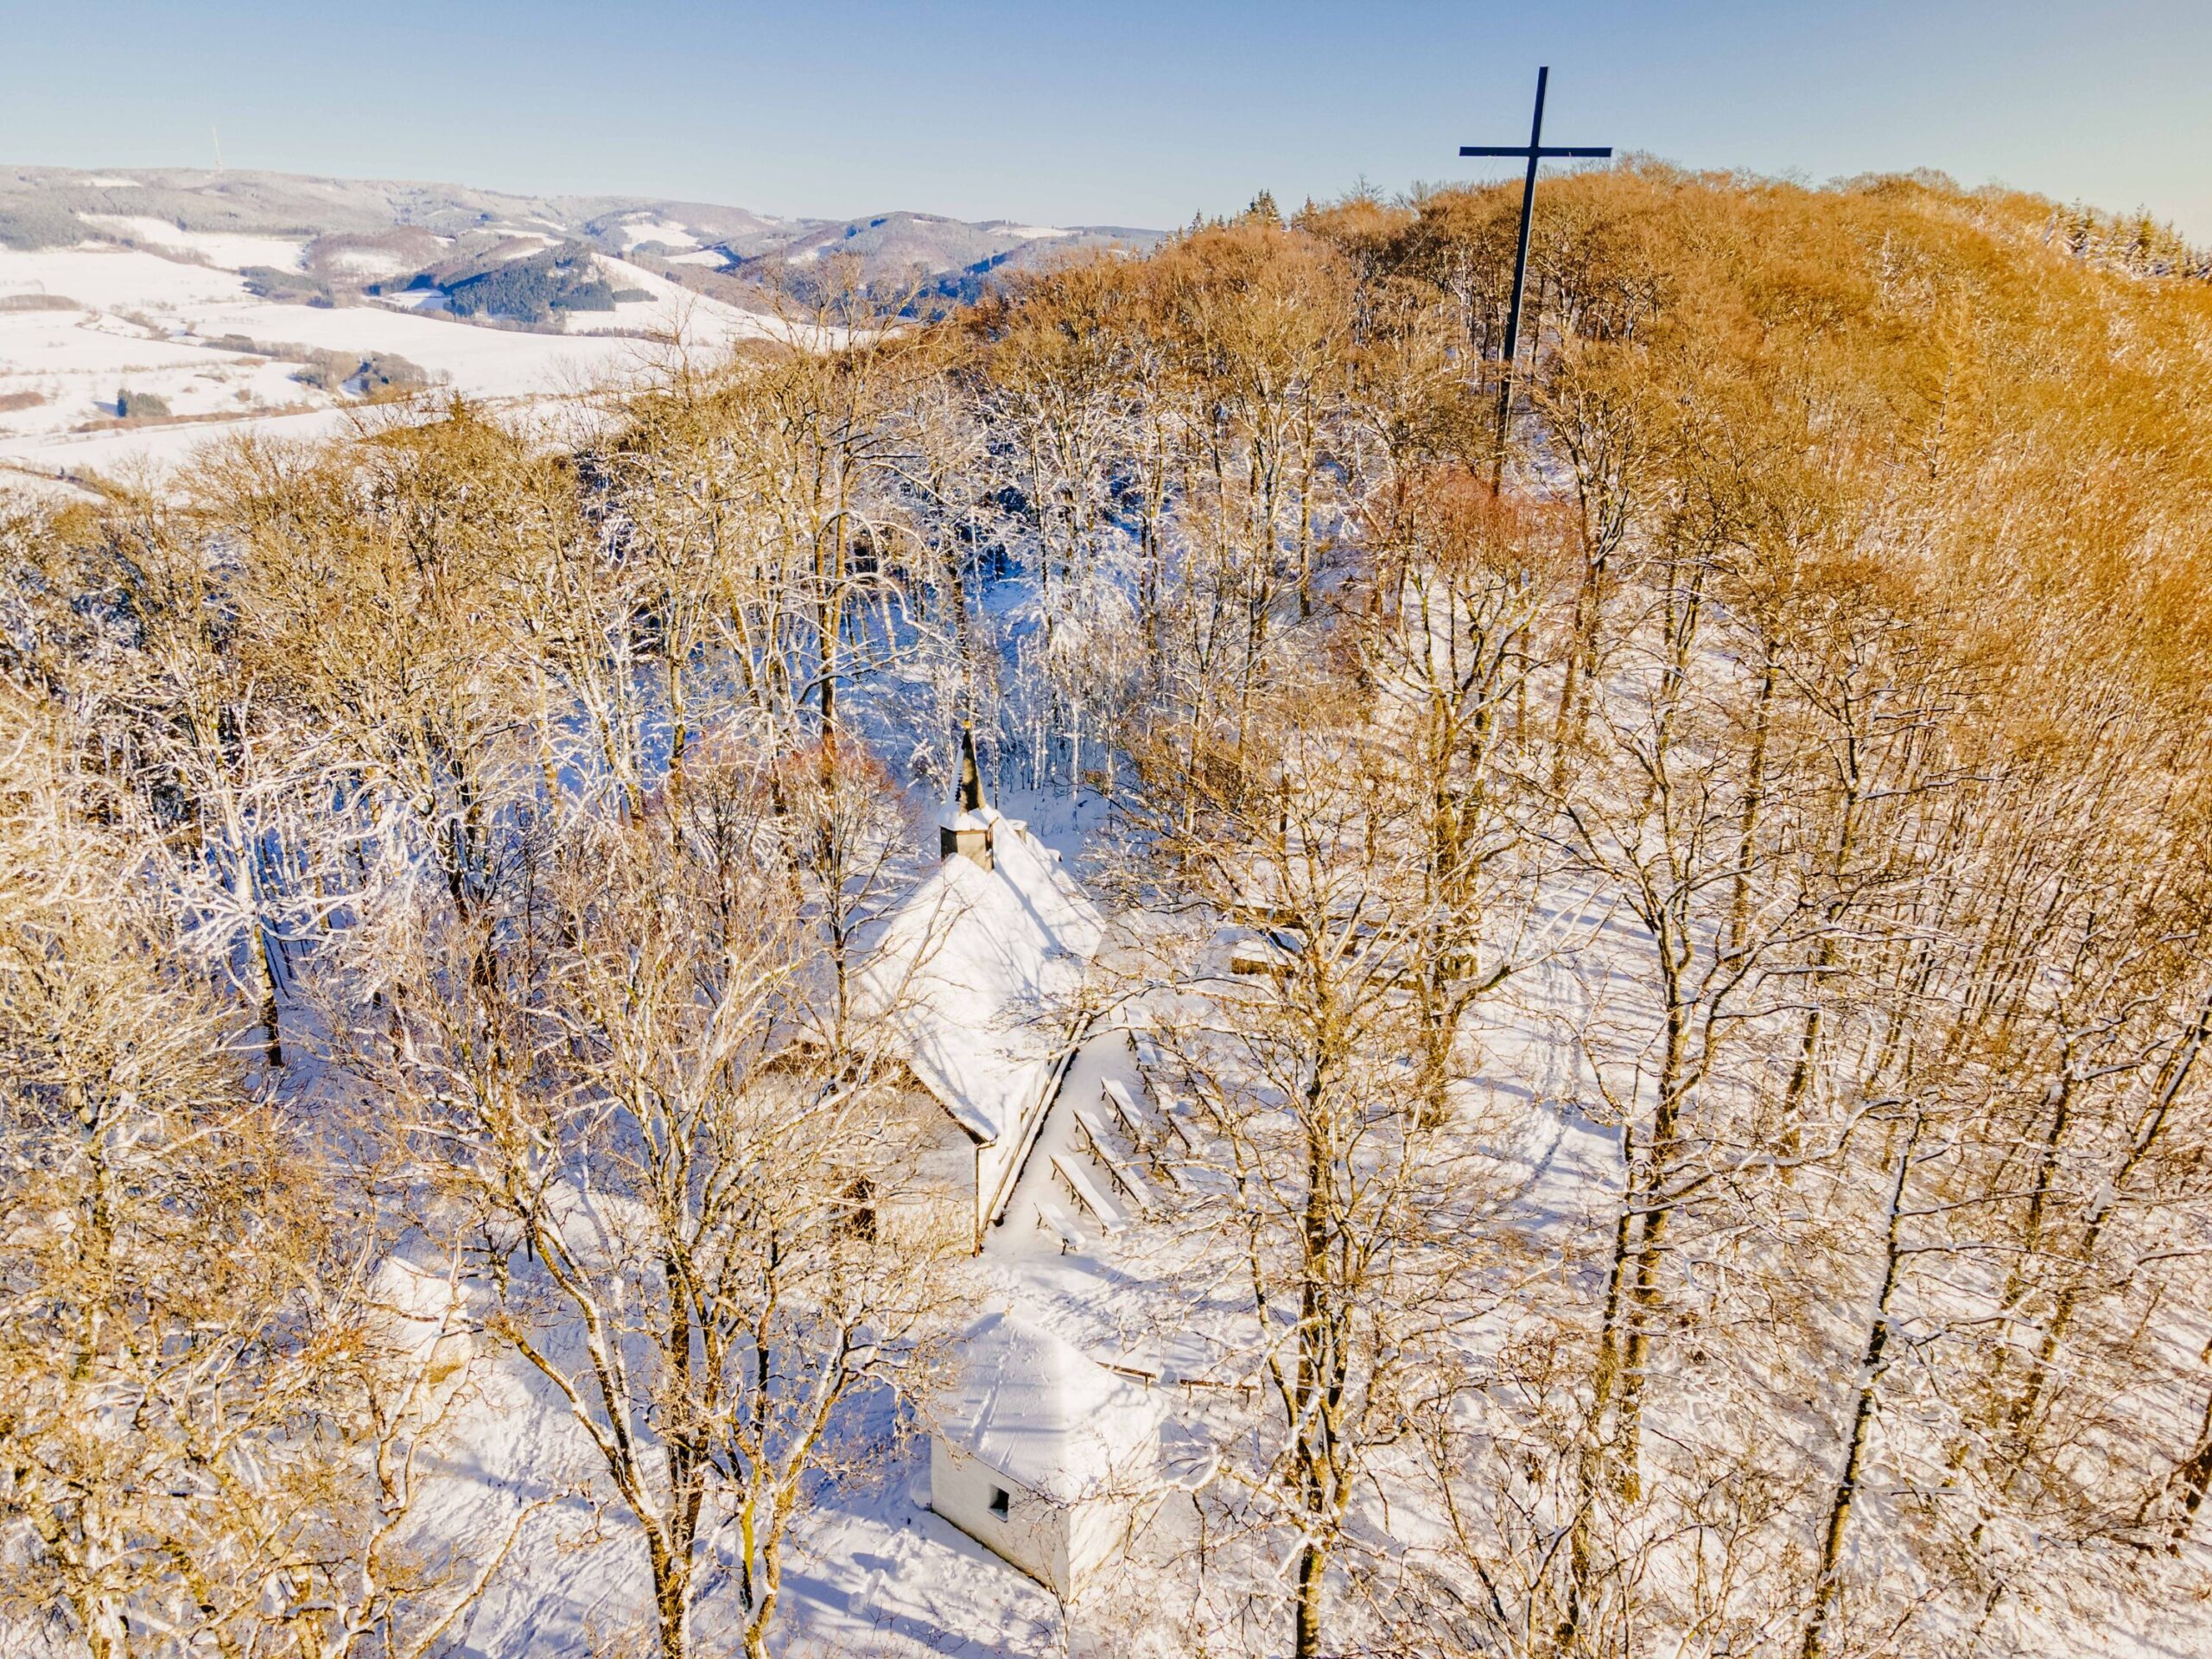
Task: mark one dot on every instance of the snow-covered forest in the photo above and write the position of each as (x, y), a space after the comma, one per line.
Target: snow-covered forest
(1665, 967)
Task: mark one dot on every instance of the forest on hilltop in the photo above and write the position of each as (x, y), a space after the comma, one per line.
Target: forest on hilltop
(1797, 778)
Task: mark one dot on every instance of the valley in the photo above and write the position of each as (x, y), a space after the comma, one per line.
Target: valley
(144, 314)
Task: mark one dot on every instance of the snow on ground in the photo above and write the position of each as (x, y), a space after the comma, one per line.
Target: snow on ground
(485, 362)
(148, 453)
(70, 340)
(370, 264)
(666, 231)
(195, 383)
(198, 379)
(127, 326)
(669, 309)
(1072, 823)
(150, 324)
(714, 257)
(1072, 1293)
(879, 1574)
(871, 1571)
(518, 244)
(115, 279)
(229, 250)
(511, 1443)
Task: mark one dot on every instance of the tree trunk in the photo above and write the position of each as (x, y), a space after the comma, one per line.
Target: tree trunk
(1827, 1583)
(1313, 1569)
(106, 1634)
(673, 1600)
(1643, 1298)
(1605, 1378)
(246, 892)
(2173, 1077)
(1739, 902)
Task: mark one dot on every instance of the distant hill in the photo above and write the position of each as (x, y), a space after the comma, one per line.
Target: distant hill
(385, 229)
(948, 256)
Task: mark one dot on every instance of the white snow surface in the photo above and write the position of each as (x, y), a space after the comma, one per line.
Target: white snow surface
(666, 231)
(231, 251)
(1034, 1407)
(968, 968)
(870, 1570)
(371, 262)
(140, 321)
(113, 279)
(671, 311)
(483, 362)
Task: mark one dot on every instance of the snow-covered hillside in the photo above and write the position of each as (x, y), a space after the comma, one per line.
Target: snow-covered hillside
(1595, 1048)
(84, 328)
(221, 302)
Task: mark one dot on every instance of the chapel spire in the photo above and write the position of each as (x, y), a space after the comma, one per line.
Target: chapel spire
(971, 780)
(966, 829)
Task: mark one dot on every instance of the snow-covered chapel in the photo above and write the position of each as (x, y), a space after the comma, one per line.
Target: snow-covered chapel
(1044, 1456)
(977, 976)
(1041, 1454)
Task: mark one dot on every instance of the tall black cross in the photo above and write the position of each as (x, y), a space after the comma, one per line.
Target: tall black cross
(1536, 150)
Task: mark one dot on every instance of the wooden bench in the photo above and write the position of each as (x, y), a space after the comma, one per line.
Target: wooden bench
(1146, 1123)
(1136, 1119)
(1056, 1221)
(1128, 1179)
(1101, 1209)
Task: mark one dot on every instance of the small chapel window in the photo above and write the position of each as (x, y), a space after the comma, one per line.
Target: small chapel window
(999, 1501)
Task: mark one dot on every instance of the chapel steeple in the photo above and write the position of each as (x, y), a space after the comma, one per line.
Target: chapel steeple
(966, 828)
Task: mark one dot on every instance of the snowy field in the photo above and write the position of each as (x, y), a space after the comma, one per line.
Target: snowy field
(173, 319)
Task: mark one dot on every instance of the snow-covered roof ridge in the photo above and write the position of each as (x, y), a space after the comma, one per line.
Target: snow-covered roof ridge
(1036, 1408)
(973, 971)
(953, 815)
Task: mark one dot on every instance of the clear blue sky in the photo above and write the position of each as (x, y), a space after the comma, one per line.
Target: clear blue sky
(1137, 112)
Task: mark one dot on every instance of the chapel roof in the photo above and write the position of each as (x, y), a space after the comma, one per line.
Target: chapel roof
(1038, 1411)
(974, 972)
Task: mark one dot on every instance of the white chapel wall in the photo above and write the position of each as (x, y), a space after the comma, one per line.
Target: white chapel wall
(1033, 1533)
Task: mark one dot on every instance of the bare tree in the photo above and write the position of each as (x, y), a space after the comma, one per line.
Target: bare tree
(643, 1105)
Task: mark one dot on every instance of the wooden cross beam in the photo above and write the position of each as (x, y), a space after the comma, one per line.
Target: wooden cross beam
(1536, 150)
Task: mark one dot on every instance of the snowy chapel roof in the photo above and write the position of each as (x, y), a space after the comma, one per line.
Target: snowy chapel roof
(1044, 1415)
(974, 970)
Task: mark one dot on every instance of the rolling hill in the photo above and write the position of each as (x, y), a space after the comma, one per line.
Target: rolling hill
(145, 311)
